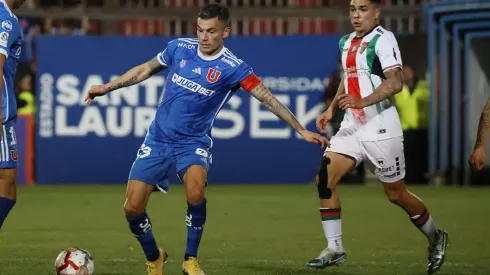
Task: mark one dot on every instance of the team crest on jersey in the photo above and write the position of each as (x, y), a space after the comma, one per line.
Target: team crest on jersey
(213, 75)
(13, 154)
(7, 25)
(182, 63)
(364, 46)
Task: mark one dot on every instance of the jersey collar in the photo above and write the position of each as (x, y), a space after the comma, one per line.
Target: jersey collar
(207, 58)
(367, 33)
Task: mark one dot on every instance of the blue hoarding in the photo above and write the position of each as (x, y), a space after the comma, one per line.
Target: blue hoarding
(76, 143)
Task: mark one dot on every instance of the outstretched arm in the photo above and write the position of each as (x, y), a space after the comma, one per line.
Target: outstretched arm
(483, 127)
(264, 95)
(258, 89)
(135, 75)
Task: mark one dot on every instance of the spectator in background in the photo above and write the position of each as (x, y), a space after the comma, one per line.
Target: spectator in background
(333, 126)
(26, 104)
(412, 104)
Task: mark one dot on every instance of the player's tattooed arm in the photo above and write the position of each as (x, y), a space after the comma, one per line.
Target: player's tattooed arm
(391, 86)
(136, 75)
(264, 95)
(483, 126)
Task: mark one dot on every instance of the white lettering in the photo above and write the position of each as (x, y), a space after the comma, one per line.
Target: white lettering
(190, 85)
(187, 46)
(305, 116)
(126, 124)
(234, 117)
(142, 119)
(298, 84)
(62, 128)
(92, 121)
(46, 109)
(68, 93)
(257, 116)
(152, 85)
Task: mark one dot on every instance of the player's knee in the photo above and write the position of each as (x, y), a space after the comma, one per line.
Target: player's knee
(395, 192)
(322, 180)
(195, 194)
(133, 209)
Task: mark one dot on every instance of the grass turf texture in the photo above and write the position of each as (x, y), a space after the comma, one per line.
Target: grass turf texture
(250, 229)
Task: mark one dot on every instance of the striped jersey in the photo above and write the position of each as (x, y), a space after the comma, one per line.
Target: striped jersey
(196, 89)
(365, 59)
(10, 47)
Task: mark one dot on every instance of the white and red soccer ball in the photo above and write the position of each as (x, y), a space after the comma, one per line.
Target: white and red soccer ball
(74, 261)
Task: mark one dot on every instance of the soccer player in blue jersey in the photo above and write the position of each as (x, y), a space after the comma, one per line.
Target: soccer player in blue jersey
(10, 47)
(203, 75)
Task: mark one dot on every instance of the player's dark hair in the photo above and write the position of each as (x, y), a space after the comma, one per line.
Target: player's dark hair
(213, 10)
(377, 2)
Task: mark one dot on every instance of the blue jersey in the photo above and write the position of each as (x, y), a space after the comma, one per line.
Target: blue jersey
(10, 46)
(197, 88)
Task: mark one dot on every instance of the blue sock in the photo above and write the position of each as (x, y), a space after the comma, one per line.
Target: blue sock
(5, 207)
(141, 228)
(196, 217)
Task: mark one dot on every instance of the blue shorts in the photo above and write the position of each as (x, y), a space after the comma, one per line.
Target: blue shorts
(8, 147)
(154, 159)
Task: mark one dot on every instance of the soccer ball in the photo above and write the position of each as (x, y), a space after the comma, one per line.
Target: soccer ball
(74, 261)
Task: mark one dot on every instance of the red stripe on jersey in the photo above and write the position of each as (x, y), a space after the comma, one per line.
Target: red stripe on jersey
(250, 82)
(352, 77)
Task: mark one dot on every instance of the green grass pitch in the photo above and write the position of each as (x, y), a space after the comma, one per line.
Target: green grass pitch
(250, 229)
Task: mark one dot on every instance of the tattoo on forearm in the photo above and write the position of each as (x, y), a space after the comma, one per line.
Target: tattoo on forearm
(483, 126)
(137, 74)
(387, 89)
(128, 82)
(264, 95)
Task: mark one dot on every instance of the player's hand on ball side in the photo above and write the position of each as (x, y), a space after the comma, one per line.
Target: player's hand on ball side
(350, 101)
(477, 158)
(95, 91)
(323, 119)
(315, 138)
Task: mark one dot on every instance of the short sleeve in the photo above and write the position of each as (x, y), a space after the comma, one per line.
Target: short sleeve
(388, 53)
(240, 73)
(9, 31)
(166, 56)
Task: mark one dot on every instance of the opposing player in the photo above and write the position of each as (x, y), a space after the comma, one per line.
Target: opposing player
(10, 47)
(477, 158)
(371, 130)
(203, 76)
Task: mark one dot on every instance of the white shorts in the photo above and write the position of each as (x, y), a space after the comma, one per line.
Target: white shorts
(385, 156)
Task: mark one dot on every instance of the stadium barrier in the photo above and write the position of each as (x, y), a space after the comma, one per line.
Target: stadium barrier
(455, 104)
(76, 143)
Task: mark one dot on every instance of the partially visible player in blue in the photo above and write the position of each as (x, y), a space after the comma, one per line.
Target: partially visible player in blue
(203, 76)
(10, 48)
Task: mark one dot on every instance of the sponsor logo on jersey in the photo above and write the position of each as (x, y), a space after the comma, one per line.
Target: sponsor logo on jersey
(4, 38)
(187, 46)
(182, 63)
(213, 75)
(197, 70)
(227, 61)
(7, 25)
(191, 85)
